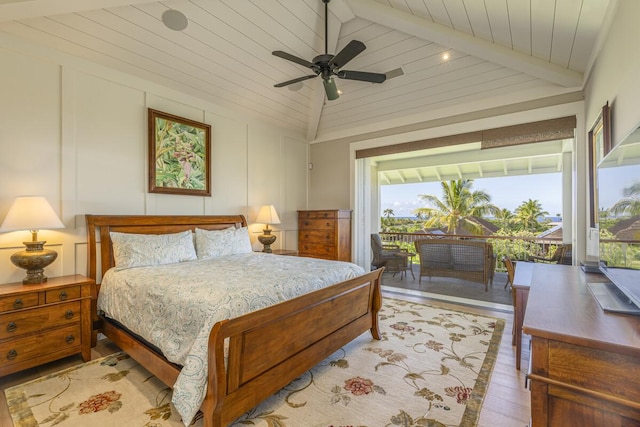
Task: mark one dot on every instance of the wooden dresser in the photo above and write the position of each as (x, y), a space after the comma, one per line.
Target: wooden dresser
(325, 234)
(44, 322)
(585, 363)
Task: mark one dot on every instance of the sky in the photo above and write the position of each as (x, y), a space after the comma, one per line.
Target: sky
(506, 192)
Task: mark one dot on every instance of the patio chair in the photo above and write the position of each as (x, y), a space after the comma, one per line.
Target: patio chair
(511, 272)
(559, 256)
(393, 258)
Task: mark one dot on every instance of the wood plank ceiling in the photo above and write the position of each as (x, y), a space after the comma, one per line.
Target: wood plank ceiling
(519, 49)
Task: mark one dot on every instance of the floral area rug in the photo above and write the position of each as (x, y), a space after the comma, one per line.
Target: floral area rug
(431, 368)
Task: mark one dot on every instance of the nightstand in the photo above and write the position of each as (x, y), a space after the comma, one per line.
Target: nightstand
(43, 322)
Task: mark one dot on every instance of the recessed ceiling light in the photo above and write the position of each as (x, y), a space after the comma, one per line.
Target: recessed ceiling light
(174, 20)
(446, 56)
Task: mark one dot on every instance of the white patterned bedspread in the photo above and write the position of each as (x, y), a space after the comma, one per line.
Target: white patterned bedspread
(175, 306)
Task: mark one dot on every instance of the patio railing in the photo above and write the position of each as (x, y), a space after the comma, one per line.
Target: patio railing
(619, 253)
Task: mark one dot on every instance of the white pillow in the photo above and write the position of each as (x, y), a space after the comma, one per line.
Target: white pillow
(217, 243)
(141, 250)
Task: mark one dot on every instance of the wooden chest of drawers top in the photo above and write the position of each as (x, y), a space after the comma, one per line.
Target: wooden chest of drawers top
(16, 296)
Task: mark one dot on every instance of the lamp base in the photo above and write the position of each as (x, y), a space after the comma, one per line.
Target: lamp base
(34, 259)
(267, 240)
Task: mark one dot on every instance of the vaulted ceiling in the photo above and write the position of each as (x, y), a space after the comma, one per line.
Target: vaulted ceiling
(498, 49)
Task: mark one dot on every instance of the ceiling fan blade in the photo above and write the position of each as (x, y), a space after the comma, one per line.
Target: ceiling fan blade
(349, 52)
(292, 58)
(299, 79)
(362, 76)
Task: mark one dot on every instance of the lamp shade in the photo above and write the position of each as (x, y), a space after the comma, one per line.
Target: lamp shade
(30, 213)
(267, 215)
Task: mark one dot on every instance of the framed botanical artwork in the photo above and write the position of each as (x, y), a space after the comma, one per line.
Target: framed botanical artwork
(179, 155)
(599, 146)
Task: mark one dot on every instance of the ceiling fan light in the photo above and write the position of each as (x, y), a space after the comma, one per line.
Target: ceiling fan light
(330, 88)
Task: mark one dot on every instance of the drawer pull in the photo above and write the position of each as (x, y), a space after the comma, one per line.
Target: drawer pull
(11, 327)
(68, 314)
(328, 224)
(63, 295)
(12, 354)
(70, 339)
(18, 303)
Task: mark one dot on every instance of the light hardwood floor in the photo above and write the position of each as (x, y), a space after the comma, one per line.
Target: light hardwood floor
(506, 403)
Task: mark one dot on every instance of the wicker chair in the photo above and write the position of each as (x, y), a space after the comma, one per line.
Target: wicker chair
(391, 257)
(562, 255)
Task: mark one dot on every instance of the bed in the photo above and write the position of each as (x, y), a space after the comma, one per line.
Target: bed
(251, 356)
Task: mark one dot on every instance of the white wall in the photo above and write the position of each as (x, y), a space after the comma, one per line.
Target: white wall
(77, 133)
(615, 77)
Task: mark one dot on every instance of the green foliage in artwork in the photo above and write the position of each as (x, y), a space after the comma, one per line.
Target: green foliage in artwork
(180, 156)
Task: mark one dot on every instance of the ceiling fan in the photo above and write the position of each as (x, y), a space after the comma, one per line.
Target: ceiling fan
(328, 66)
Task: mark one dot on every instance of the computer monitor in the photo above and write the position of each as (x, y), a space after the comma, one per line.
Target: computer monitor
(621, 294)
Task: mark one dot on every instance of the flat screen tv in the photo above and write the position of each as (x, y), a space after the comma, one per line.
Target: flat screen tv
(618, 198)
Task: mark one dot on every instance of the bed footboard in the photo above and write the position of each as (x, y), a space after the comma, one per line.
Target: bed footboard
(271, 347)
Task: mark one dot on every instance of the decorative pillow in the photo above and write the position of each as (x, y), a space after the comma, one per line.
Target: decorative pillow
(141, 250)
(217, 243)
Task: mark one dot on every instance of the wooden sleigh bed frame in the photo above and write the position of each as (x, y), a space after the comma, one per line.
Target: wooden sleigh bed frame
(268, 348)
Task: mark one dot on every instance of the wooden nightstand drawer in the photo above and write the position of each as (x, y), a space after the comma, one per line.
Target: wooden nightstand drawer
(33, 320)
(60, 295)
(18, 302)
(64, 340)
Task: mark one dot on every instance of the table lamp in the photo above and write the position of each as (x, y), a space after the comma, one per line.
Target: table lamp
(267, 215)
(32, 213)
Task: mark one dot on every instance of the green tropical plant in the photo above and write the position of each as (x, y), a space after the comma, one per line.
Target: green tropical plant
(458, 207)
(630, 204)
(527, 216)
(504, 219)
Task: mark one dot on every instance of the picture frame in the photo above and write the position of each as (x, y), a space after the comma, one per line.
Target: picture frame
(179, 155)
(599, 147)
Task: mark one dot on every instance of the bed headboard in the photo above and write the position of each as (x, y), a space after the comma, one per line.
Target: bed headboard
(99, 226)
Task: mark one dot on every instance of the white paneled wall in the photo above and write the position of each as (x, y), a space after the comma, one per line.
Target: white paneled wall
(77, 133)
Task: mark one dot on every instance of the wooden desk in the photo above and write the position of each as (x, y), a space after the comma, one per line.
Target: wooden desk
(585, 363)
(521, 285)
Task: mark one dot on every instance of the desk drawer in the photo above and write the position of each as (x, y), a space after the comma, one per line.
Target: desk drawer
(34, 320)
(604, 371)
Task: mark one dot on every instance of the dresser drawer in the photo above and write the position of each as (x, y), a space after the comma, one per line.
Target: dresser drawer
(317, 236)
(19, 301)
(33, 320)
(316, 214)
(61, 295)
(66, 340)
(317, 250)
(316, 224)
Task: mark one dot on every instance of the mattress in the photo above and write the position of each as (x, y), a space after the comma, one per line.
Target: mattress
(174, 306)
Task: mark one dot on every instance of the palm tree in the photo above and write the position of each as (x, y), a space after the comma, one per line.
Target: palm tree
(388, 213)
(457, 208)
(527, 215)
(630, 204)
(504, 217)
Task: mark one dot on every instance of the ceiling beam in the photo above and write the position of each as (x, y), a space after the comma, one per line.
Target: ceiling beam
(35, 8)
(448, 37)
